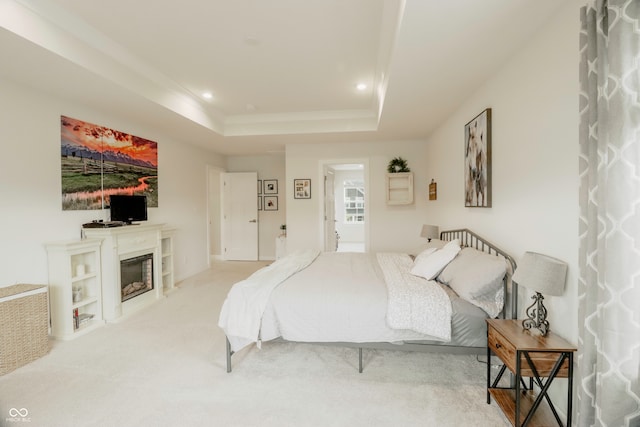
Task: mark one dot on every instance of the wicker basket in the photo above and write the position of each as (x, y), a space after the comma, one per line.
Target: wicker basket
(24, 325)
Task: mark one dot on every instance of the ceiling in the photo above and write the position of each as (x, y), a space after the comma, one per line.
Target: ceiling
(279, 71)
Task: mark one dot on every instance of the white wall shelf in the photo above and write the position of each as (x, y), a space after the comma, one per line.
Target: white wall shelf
(399, 188)
(75, 283)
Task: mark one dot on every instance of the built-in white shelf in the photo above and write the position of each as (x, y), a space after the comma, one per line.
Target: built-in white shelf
(399, 188)
(75, 284)
(168, 276)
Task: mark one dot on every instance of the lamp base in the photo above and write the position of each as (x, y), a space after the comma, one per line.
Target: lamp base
(537, 316)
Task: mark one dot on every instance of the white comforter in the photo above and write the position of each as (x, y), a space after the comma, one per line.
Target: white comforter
(244, 306)
(339, 297)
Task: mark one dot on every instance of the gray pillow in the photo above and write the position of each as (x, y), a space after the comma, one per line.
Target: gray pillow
(477, 277)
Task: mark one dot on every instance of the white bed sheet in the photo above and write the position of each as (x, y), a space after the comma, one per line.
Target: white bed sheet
(341, 297)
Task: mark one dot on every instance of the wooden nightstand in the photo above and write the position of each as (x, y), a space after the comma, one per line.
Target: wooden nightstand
(531, 356)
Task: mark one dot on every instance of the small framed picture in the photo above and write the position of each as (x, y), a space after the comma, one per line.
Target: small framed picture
(259, 203)
(259, 186)
(301, 188)
(270, 186)
(270, 203)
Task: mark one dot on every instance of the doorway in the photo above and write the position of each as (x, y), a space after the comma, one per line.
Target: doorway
(345, 205)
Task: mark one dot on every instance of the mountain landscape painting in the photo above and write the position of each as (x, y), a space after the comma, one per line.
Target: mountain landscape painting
(98, 162)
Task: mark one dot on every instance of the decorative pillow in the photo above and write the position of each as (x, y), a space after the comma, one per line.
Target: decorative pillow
(477, 277)
(431, 261)
(434, 243)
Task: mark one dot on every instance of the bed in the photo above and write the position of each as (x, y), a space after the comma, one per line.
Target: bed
(436, 299)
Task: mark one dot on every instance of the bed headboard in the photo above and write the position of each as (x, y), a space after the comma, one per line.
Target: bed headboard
(470, 239)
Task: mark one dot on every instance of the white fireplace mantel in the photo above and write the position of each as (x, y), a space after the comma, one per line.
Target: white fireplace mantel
(120, 243)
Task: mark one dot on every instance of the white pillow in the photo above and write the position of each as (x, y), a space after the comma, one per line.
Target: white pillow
(431, 261)
(425, 253)
(434, 243)
(454, 244)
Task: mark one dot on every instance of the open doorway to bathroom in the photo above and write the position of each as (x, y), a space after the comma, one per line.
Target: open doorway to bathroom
(347, 189)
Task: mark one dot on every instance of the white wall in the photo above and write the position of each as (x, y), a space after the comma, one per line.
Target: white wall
(30, 185)
(534, 101)
(390, 227)
(269, 222)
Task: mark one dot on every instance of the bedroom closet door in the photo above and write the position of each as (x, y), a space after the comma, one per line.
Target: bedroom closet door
(240, 216)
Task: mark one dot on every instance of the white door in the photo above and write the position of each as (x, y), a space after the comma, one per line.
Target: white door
(240, 216)
(330, 242)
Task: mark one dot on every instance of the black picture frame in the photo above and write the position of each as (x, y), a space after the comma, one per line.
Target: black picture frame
(259, 186)
(259, 203)
(302, 188)
(477, 161)
(270, 203)
(270, 186)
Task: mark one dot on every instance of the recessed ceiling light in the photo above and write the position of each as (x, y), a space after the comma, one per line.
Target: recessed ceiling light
(207, 95)
(361, 86)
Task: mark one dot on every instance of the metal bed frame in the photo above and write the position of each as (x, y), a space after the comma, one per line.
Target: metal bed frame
(467, 238)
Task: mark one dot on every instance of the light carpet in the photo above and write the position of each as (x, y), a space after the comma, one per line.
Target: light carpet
(165, 366)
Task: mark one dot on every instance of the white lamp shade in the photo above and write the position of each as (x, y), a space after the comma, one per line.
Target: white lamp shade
(429, 231)
(541, 273)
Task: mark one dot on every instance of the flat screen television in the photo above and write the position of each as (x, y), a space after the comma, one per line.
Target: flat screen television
(128, 208)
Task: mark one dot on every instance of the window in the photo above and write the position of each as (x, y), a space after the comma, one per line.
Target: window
(353, 201)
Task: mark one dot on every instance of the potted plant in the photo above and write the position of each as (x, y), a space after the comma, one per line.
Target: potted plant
(283, 228)
(398, 164)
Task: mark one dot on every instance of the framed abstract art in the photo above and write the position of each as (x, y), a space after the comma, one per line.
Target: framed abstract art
(477, 161)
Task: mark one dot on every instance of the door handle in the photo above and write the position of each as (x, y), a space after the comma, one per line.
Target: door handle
(253, 220)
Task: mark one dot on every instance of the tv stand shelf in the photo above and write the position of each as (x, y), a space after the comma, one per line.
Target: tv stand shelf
(103, 224)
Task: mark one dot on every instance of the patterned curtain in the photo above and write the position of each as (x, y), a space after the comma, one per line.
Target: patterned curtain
(608, 390)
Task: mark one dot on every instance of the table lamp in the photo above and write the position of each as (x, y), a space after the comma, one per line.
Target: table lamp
(430, 232)
(541, 274)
